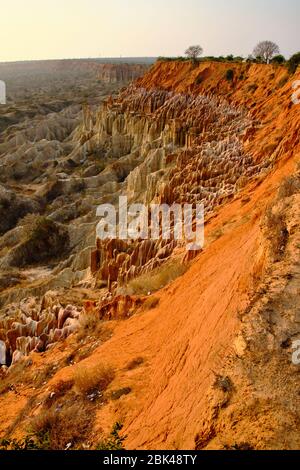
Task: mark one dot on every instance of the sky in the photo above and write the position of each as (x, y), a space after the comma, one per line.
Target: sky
(56, 29)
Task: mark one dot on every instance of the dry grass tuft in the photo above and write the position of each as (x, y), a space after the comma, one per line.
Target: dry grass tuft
(157, 279)
(42, 376)
(97, 377)
(43, 240)
(89, 325)
(58, 391)
(54, 429)
(223, 383)
(150, 303)
(289, 186)
(16, 374)
(24, 413)
(216, 234)
(24, 372)
(117, 394)
(276, 233)
(274, 222)
(138, 361)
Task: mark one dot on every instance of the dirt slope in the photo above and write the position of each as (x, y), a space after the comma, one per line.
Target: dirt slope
(191, 336)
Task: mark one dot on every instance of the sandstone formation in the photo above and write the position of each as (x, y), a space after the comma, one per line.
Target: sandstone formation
(208, 358)
(118, 261)
(34, 325)
(120, 73)
(189, 149)
(119, 308)
(42, 176)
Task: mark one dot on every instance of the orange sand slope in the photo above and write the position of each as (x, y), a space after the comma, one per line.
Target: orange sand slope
(191, 336)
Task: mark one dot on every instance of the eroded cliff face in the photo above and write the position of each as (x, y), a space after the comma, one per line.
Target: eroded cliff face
(208, 364)
(190, 137)
(265, 91)
(120, 73)
(201, 138)
(34, 325)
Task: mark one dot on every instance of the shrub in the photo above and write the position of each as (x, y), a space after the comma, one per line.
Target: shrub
(116, 394)
(59, 391)
(18, 373)
(27, 222)
(223, 383)
(172, 59)
(229, 75)
(157, 279)
(51, 191)
(289, 186)
(27, 443)
(43, 240)
(210, 58)
(278, 59)
(150, 303)
(164, 59)
(43, 374)
(78, 185)
(274, 222)
(88, 379)
(114, 441)
(89, 324)
(283, 81)
(277, 233)
(242, 446)
(13, 207)
(252, 88)
(181, 59)
(293, 63)
(53, 429)
(217, 233)
(135, 363)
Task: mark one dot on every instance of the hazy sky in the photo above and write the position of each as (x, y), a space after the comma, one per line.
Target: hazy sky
(48, 29)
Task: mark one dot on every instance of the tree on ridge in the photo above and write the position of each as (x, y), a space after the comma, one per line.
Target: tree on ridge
(193, 52)
(266, 50)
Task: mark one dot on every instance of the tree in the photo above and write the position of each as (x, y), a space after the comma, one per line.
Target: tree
(278, 59)
(230, 58)
(193, 52)
(266, 50)
(293, 63)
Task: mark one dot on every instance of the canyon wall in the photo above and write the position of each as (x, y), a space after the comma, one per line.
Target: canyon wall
(212, 353)
(195, 138)
(120, 73)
